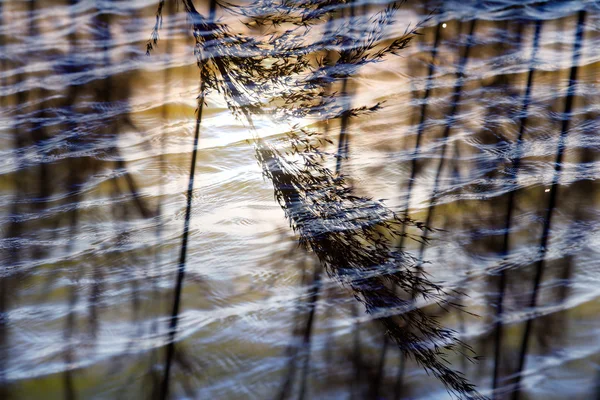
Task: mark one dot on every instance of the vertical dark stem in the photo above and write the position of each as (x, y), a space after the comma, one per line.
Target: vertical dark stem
(11, 275)
(161, 158)
(343, 138)
(421, 126)
(170, 350)
(597, 388)
(330, 342)
(183, 253)
(343, 152)
(343, 141)
(543, 248)
(306, 339)
(356, 356)
(456, 97)
(511, 204)
(4, 284)
(316, 287)
(456, 177)
(293, 349)
(38, 131)
(73, 187)
(400, 377)
(414, 157)
(158, 270)
(457, 94)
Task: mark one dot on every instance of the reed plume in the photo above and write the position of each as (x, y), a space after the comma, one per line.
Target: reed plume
(283, 76)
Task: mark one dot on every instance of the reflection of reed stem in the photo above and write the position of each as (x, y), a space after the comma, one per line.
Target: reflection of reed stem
(4, 279)
(158, 270)
(162, 161)
(316, 287)
(511, 204)
(292, 349)
(566, 119)
(421, 126)
(73, 187)
(343, 153)
(183, 253)
(186, 228)
(458, 87)
(312, 302)
(413, 173)
(38, 133)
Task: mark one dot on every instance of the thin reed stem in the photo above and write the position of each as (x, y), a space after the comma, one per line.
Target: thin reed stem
(174, 320)
(449, 123)
(170, 350)
(410, 185)
(543, 248)
(516, 164)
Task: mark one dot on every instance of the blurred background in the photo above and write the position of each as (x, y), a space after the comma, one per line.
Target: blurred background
(488, 132)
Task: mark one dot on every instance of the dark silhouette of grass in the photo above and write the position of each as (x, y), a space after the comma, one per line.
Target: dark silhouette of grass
(543, 248)
(516, 163)
(352, 236)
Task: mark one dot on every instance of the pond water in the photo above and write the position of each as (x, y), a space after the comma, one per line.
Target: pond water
(487, 133)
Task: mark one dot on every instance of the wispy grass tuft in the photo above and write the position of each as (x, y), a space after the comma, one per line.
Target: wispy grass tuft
(285, 75)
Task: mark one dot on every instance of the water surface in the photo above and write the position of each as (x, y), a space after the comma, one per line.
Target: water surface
(96, 140)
